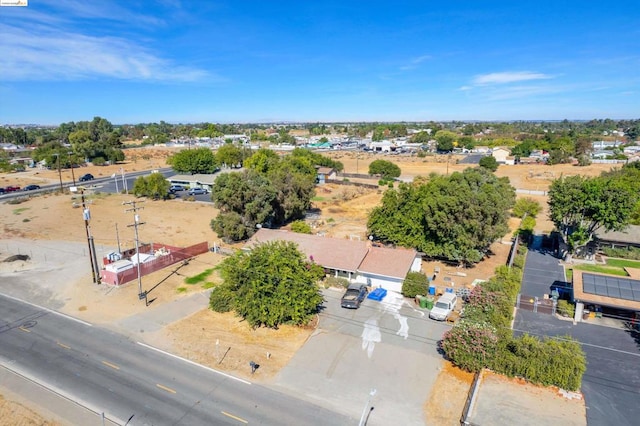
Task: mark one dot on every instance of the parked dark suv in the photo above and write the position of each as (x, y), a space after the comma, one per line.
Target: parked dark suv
(86, 178)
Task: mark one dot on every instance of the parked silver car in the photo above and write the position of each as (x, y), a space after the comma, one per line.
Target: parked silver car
(198, 191)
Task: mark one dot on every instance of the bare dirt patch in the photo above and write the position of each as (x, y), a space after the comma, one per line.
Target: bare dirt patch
(15, 413)
(226, 342)
(448, 396)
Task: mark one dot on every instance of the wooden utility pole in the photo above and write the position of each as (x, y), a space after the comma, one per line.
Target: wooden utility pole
(135, 224)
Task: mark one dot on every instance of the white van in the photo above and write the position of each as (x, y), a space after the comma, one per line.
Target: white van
(443, 306)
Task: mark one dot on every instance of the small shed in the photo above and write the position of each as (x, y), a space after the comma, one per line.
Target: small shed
(324, 174)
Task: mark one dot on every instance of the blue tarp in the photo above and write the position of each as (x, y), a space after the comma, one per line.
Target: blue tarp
(377, 294)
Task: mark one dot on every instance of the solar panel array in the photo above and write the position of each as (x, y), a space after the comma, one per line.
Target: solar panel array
(618, 287)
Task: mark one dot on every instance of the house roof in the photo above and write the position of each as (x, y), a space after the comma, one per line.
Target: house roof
(199, 178)
(325, 170)
(343, 255)
(388, 262)
(607, 290)
(631, 234)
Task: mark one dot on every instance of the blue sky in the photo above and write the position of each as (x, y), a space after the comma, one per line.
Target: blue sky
(261, 61)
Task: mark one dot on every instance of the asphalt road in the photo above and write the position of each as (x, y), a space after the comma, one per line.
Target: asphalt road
(110, 373)
(611, 384)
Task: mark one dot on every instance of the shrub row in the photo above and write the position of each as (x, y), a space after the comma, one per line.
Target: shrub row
(484, 339)
(631, 253)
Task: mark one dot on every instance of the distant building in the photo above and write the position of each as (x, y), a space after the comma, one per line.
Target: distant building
(503, 156)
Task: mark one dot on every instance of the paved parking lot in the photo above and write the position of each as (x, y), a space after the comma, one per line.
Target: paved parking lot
(389, 346)
(611, 384)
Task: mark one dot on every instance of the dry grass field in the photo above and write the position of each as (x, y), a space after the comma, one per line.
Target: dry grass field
(343, 214)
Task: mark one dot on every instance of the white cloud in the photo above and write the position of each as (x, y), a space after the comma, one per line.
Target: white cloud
(518, 92)
(71, 9)
(508, 77)
(46, 54)
(413, 63)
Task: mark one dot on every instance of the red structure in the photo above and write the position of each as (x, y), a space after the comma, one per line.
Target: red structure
(164, 255)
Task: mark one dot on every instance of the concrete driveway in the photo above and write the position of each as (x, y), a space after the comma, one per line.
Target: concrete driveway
(611, 384)
(388, 346)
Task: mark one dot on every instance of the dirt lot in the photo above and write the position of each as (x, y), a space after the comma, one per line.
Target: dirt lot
(344, 211)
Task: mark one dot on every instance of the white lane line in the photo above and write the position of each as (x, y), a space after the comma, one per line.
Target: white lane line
(194, 363)
(48, 310)
(17, 370)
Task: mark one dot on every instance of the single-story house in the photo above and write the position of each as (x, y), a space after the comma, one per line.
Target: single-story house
(628, 237)
(611, 291)
(197, 180)
(387, 267)
(382, 146)
(502, 155)
(357, 261)
(324, 174)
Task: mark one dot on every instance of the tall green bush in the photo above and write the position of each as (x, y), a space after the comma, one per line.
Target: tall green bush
(415, 283)
(470, 345)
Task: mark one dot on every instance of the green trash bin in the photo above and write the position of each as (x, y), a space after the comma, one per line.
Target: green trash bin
(423, 302)
(429, 303)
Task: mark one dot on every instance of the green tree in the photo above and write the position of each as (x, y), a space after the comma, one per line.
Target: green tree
(445, 140)
(467, 142)
(293, 190)
(421, 138)
(526, 206)
(262, 160)
(82, 144)
(230, 155)
(318, 159)
(561, 150)
(245, 199)
(274, 284)
(456, 217)
(580, 206)
(384, 168)
(154, 186)
(489, 162)
(200, 160)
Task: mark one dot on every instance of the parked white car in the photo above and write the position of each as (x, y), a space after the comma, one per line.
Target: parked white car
(443, 307)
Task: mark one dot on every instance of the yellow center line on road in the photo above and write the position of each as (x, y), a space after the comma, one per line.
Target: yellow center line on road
(234, 417)
(24, 329)
(108, 364)
(64, 346)
(165, 388)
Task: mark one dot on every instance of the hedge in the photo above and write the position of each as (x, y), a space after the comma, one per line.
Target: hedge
(548, 362)
(484, 339)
